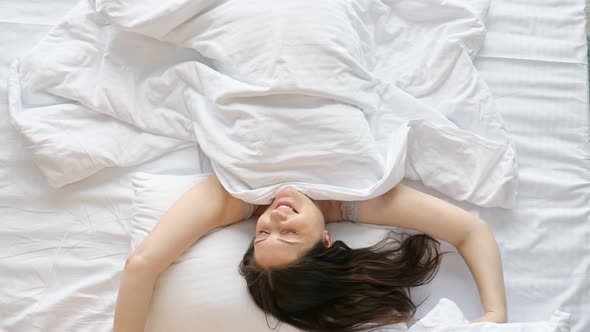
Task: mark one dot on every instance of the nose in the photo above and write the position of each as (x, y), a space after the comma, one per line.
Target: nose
(278, 215)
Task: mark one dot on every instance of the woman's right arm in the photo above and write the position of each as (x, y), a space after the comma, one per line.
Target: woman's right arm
(411, 209)
(205, 207)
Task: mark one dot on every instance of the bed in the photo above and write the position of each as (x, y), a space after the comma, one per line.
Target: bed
(62, 250)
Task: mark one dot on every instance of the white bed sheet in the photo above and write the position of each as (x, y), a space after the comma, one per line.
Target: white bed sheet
(61, 251)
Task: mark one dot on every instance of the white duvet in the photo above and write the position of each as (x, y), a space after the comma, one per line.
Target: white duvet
(340, 99)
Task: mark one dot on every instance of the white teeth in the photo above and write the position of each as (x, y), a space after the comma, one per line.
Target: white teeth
(285, 207)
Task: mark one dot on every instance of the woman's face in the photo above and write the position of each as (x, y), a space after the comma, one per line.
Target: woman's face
(290, 226)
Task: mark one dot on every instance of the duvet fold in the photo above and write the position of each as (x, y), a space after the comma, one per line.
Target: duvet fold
(339, 99)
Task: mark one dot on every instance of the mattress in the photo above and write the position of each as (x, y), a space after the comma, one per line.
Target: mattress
(62, 250)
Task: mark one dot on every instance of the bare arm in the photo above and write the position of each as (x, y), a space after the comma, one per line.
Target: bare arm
(205, 207)
(411, 209)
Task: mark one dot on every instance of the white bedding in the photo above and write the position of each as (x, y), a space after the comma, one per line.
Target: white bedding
(343, 115)
(63, 249)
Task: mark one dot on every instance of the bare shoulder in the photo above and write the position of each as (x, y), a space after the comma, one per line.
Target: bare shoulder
(234, 208)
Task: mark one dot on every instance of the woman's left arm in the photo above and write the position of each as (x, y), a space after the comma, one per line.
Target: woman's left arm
(206, 206)
(411, 209)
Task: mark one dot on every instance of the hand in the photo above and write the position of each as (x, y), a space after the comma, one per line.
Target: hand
(491, 316)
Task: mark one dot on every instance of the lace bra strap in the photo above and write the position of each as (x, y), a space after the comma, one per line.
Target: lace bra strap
(248, 209)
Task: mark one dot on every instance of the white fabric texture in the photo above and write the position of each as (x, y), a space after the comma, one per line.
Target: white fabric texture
(337, 99)
(62, 250)
(203, 287)
(447, 317)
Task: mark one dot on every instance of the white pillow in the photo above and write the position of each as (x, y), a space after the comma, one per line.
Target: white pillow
(203, 289)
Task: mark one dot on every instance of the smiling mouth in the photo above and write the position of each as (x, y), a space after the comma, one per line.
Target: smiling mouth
(286, 206)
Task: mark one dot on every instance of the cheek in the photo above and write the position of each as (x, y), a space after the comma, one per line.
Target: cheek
(260, 223)
(316, 215)
(313, 218)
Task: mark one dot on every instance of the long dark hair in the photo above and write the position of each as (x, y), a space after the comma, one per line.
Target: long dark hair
(344, 289)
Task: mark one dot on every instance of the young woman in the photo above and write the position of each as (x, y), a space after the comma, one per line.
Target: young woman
(296, 272)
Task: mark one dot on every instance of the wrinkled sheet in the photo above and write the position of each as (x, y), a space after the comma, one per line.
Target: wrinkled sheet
(447, 317)
(381, 91)
(63, 249)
